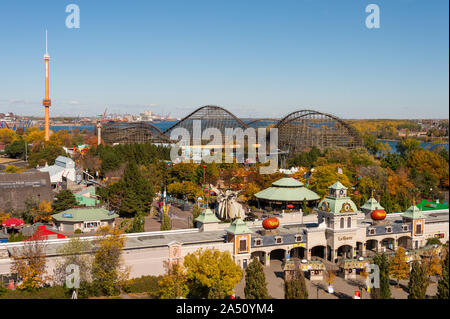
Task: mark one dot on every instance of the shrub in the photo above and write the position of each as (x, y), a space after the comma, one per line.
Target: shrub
(148, 284)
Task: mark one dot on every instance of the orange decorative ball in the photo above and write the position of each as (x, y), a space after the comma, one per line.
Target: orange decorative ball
(271, 223)
(378, 214)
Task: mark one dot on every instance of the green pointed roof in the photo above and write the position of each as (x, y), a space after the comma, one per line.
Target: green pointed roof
(207, 216)
(413, 212)
(338, 185)
(372, 204)
(238, 227)
(336, 205)
(287, 189)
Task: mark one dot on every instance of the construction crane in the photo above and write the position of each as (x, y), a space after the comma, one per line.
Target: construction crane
(102, 117)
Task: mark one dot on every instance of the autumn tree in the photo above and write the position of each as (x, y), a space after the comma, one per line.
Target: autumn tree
(255, 281)
(398, 267)
(29, 263)
(43, 213)
(208, 267)
(418, 282)
(108, 273)
(173, 284)
(432, 263)
(444, 280)
(325, 176)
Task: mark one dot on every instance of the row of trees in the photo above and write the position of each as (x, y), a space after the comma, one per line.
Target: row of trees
(102, 273)
(418, 273)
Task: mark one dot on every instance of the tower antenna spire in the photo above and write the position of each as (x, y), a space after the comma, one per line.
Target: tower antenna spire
(46, 49)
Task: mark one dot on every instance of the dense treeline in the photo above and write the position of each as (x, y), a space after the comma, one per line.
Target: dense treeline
(142, 154)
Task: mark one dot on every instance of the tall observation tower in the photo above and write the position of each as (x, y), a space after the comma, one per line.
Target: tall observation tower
(46, 102)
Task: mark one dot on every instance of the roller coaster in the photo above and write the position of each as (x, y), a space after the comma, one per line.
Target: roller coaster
(297, 131)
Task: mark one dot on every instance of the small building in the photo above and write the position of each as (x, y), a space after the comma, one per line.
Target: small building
(313, 269)
(64, 168)
(84, 219)
(40, 231)
(207, 220)
(286, 191)
(87, 197)
(16, 188)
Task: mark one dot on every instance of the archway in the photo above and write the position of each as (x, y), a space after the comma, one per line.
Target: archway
(372, 245)
(405, 242)
(388, 244)
(278, 254)
(260, 255)
(318, 251)
(298, 252)
(345, 251)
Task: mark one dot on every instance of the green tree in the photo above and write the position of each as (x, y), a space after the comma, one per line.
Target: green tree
(209, 267)
(16, 149)
(444, 280)
(255, 281)
(384, 292)
(165, 223)
(64, 201)
(295, 288)
(418, 281)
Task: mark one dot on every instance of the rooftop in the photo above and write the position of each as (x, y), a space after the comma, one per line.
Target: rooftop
(84, 214)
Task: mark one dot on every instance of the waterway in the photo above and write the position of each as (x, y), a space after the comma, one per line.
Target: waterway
(426, 145)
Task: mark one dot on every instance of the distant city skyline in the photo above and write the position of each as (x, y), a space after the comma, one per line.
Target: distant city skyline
(254, 58)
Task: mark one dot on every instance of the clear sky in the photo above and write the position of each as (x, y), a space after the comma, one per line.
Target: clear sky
(257, 58)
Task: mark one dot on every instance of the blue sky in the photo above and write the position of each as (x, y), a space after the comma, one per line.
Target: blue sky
(257, 58)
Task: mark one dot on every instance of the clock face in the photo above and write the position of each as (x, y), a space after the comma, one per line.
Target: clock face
(341, 192)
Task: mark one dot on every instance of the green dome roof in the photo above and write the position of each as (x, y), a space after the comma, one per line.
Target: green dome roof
(287, 189)
(287, 182)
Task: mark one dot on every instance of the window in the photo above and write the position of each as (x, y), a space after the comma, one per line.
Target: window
(258, 242)
(349, 222)
(278, 240)
(405, 227)
(298, 238)
(243, 246)
(419, 229)
(372, 231)
(439, 235)
(342, 222)
(388, 229)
